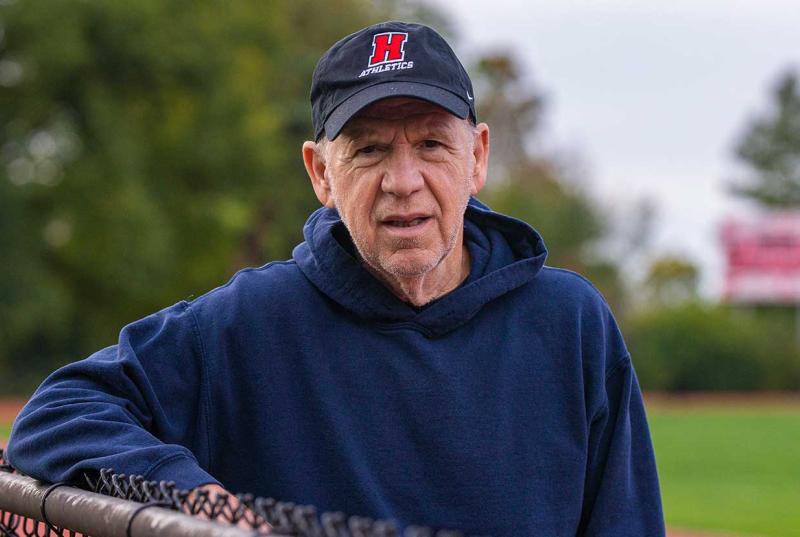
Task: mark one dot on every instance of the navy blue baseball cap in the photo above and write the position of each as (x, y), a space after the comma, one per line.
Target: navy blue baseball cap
(390, 59)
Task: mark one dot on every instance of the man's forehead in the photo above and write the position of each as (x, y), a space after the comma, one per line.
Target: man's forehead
(425, 114)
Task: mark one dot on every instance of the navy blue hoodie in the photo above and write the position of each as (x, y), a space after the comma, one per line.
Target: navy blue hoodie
(507, 407)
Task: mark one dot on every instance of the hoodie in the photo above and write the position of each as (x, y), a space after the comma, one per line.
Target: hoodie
(508, 406)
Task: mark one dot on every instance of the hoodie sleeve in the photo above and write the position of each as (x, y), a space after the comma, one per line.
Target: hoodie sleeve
(138, 407)
(621, 494)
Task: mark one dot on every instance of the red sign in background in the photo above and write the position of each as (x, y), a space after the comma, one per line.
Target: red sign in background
(763, 259)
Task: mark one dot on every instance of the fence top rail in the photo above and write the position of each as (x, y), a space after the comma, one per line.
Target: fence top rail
(95, 514)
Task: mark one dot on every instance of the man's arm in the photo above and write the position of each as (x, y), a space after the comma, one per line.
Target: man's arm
(621, 495)
(138, 407)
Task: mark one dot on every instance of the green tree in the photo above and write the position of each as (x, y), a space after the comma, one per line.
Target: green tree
(671, 280)
(533, 186)
(770, 147)
(512, 108)
(147, 150)
(694, 346)
(150, 149)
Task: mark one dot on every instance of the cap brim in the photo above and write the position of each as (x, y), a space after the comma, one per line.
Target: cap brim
(355, 103)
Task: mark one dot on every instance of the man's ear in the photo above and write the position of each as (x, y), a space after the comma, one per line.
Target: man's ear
(480, 151)
(315, 167)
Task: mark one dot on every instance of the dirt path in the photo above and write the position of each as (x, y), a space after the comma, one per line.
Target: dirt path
(9, 408)
(722, 399)
(689, 533)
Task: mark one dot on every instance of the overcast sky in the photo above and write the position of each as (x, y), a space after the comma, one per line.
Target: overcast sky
(651, 94)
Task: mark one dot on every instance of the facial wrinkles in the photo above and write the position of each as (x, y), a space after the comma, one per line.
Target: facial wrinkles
(359, 132)
(401, 132)
(404, 158)
(393, 139)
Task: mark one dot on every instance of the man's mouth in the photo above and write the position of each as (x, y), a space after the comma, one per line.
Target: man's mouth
(406, 223)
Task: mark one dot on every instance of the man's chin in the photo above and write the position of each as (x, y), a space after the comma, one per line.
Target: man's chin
(409, 264)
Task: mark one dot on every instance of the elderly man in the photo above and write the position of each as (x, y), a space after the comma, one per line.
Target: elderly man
(415, 360)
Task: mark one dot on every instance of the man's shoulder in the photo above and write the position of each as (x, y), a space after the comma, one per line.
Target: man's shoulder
(268, 285)
(567, 287)
(573, 305)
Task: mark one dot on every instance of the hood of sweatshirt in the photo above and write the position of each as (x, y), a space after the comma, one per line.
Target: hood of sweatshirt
(506, 253)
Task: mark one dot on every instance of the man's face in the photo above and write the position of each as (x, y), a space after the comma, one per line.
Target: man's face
(400, 174)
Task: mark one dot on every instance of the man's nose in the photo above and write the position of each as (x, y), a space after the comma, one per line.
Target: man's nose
(403, 174)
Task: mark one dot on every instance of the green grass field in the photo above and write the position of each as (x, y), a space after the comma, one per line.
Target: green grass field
(5, 430)
(729, 469)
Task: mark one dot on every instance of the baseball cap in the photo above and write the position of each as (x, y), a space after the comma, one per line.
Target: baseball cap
(389, 59)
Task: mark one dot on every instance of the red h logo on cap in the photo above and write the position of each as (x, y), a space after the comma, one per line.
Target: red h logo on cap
(388, 47)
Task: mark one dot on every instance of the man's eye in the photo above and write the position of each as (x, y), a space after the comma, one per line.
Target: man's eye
(431, 144)
(366, 150)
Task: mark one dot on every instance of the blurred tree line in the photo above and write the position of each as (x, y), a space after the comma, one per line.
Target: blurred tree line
(770, 148)
(682, 343)
(149, 150)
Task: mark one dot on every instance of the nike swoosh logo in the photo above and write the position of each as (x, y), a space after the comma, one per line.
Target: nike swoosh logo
(469, 96)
